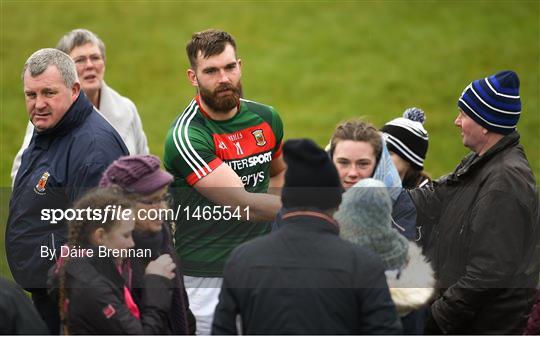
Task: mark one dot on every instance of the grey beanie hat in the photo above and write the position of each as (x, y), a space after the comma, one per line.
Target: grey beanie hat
(364, 218)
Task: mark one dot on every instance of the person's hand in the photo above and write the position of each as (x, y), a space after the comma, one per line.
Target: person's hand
(162, 266)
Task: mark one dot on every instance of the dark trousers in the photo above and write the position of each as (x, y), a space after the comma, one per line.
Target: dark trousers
(47, 308)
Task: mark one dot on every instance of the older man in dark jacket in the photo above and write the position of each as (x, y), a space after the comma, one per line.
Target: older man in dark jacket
(304, 279)
(484, 219)
(71, 146)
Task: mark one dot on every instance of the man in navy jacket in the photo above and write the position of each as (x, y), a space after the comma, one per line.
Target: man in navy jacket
(72, 145)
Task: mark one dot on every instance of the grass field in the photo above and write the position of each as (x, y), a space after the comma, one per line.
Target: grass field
(317, 62)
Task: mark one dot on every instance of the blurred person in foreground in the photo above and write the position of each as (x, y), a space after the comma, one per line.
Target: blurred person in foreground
(483, 219)
(364, 218)
(18, 316)
(303, 278)
(88, 52)
(533, 324)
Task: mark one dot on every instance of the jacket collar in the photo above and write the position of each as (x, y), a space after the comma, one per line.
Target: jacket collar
(473, 161)
(75, 116)
(311, 219)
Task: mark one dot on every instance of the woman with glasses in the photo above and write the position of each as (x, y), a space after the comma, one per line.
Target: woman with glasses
(142, 180)
(88, 52)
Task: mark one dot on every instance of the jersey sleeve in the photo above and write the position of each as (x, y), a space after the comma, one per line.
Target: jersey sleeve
(277, 127)
(190, 153)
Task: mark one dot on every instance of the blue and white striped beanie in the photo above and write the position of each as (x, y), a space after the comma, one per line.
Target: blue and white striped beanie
(493, 102)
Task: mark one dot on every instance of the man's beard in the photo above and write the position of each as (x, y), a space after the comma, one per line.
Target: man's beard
(221, 103)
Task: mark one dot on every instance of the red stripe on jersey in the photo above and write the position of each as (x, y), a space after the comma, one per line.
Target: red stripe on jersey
(279, 151)
(245, 143)
(192, 179)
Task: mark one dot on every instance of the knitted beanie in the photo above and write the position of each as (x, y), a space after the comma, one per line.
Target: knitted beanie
(136, 174)
(406, 137)
(493, 102)
(364, 218)
(311, 179)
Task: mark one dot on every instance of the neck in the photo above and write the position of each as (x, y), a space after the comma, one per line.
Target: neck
(94, 97)
(491, 139)
(218, 116)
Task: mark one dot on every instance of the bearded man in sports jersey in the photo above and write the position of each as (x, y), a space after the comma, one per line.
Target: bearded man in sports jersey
(224, 153)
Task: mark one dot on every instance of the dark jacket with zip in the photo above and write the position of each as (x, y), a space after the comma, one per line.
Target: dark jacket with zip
(483, 225)
(97, 305)
(59, 165)
(304, 279)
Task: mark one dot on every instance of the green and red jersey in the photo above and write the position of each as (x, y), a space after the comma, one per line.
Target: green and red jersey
(195, 146)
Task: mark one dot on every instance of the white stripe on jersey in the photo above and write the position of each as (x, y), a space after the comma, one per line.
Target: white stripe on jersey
(188, 141)
(183, 144)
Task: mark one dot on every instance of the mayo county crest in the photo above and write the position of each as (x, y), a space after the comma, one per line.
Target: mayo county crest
(259, 137)
(42, 183)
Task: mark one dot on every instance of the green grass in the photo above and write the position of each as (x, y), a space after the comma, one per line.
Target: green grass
(317, 62)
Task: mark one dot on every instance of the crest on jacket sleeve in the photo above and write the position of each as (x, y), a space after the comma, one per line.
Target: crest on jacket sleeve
(259, 137)
(109, 311)
(42, 183)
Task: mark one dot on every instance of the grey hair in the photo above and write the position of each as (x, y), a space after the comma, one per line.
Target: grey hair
(42, 59)
(80, 37)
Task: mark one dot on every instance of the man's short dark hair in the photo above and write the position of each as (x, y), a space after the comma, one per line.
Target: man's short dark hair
(210, 42)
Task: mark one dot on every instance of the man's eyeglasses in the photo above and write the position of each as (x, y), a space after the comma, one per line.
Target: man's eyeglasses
(166, 198)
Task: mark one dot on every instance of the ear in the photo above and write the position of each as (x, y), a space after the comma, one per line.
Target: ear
(75, 90)
(240, 64)
(97, 238)
(192, 77)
